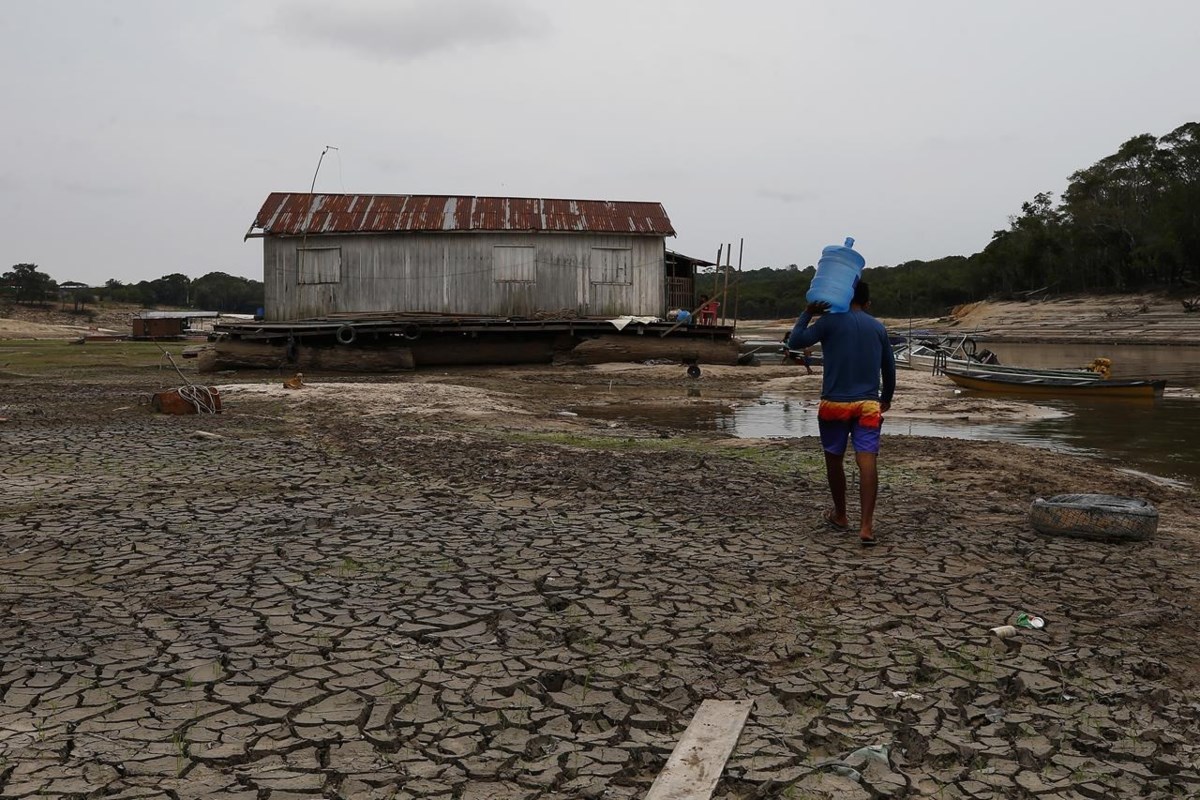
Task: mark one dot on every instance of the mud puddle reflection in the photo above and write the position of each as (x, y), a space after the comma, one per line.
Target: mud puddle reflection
(1156, 438)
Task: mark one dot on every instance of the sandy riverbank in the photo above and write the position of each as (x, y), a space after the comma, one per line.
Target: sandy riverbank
(1112, 319)
(56, 321)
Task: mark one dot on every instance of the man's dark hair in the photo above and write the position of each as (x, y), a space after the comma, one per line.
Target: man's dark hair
(862, 293)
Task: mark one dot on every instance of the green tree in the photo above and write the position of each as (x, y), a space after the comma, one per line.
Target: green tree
(170, 290)
(218, 291)
(28, 284)
(78, 292)
(1178, 217)
(1028, 255)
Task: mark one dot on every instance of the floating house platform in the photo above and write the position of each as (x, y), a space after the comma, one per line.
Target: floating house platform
(385, 342)
(376, 282)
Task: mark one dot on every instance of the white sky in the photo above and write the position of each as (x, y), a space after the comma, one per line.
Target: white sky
(140, 138)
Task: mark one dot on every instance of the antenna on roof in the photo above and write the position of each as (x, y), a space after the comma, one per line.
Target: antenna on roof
(328, 147)
(312, 197)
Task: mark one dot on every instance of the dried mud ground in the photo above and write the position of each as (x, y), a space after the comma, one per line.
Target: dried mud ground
(445, 587)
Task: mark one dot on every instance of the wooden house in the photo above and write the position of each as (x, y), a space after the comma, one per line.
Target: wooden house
(509, 257)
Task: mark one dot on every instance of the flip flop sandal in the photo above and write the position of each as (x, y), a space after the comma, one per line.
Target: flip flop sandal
(828, 515)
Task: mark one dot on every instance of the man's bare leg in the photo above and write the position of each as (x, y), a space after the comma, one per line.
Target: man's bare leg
(835, 472)
(868, 487)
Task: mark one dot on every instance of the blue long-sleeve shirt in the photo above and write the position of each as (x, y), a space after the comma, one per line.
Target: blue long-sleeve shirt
(855, 352)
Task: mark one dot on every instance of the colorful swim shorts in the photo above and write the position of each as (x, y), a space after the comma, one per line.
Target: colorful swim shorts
(859, 420)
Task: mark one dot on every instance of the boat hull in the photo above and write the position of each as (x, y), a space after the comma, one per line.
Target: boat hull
(928, 363)
(1049, 387)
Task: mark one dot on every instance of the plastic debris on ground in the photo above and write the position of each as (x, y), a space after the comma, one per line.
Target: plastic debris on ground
(1029, 621)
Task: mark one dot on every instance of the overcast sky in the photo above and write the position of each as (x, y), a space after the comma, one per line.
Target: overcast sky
(140, 138)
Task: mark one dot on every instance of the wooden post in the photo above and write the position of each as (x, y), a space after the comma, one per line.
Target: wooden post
(717, 271)
(720, 298)
(737, 293)
(725, 292)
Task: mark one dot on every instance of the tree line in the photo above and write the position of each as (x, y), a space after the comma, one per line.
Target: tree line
(216, 291)
(1129, 222)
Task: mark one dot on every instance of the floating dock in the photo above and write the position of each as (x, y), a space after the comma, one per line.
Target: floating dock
(386, 342)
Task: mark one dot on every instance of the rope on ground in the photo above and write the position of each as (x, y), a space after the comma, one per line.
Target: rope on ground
(199, 396)
(171, 359)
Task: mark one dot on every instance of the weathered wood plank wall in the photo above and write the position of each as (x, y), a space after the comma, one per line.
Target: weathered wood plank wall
(500, 274)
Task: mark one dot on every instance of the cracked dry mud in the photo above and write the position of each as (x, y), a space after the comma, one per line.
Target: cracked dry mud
(323, 605)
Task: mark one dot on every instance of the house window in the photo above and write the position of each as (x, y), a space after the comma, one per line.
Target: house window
(319, 265)
(513, 264)
(611, 265)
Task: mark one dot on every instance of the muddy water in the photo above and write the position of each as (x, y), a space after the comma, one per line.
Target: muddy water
(1180, 366)
(1159, 437)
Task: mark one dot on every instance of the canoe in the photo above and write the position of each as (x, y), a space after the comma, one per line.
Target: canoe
(1057, 387)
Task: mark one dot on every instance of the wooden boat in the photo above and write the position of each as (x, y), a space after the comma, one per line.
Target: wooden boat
(960, 355)
(925, 352)
(768, 347)
(1057, 387)
(985, 370)
(797, 357)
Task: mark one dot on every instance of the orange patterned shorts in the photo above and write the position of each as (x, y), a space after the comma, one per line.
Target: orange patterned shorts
(856, 420)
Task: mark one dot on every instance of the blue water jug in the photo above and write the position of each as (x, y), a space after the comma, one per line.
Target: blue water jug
(838, 270)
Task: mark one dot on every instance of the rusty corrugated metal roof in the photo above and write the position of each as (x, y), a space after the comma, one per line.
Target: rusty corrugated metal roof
(293, 214)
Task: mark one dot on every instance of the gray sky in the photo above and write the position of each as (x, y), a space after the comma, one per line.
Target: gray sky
(140, 138)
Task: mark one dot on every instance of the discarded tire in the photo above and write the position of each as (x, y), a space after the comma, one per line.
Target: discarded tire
(346, 334)
(1100, 517)
(693, 371)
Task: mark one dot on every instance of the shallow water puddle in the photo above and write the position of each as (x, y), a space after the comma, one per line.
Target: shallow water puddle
(1159, 438)
(681, 417)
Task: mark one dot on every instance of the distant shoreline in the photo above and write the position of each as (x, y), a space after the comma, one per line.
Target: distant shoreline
(1066, 340)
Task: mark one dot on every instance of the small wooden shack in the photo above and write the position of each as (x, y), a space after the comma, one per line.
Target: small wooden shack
(167, 324)
(453, 255)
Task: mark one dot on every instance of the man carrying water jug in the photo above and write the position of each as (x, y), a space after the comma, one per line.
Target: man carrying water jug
(857, 355)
